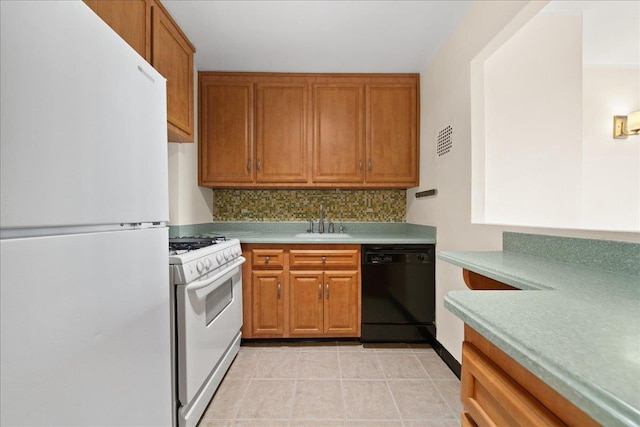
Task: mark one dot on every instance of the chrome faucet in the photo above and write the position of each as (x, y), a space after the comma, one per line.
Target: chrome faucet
(321, 221)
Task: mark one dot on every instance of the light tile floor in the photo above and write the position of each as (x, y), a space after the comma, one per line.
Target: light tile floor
(336, 384)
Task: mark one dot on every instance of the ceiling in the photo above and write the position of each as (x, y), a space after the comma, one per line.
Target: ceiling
(316, 36)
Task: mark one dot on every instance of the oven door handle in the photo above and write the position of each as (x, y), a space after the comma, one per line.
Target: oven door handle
(202, 288)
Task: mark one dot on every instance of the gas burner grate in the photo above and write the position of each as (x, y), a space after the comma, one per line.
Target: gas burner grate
(193, 243)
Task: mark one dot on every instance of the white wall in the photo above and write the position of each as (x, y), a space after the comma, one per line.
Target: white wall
(188, 203)
(542, 107)
(533, 117)
(446, 100)
(611, 167)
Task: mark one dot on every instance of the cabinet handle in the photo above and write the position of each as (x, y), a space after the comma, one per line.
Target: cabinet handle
(259, 164)
(327, 290)
(324, 259)
(360, 165)
(266, 260)
(369, 165)
(279, 290)
(249, 165)
(319, 290)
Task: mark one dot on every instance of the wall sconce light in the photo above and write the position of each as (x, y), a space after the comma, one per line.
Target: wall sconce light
(624, 126)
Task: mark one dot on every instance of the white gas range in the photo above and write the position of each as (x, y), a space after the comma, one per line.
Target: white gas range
(206, 274)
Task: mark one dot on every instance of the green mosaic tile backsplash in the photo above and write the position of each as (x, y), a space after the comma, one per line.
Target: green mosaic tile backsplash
(302, 205)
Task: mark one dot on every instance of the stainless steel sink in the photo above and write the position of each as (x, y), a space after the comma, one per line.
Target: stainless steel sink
(322, 236)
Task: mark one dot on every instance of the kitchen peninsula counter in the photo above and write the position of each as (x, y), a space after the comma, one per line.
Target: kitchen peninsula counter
(575, 323)
(285, 232)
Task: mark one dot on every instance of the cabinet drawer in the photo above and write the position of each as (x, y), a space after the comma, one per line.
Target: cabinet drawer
(324, 259)
(467, 421)
(267, 258)
(492, 398)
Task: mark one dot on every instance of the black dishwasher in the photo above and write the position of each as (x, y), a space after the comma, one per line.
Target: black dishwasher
(398, 293)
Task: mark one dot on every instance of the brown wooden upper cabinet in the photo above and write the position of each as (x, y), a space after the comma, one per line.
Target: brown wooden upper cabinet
(172, 56)
(226, 149)
(338, 134)
(131, 19)
(282, 113)
(269, 130)
(149, 29)
(392, 147)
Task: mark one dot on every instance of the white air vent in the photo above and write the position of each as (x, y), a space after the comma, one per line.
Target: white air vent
(444, 141)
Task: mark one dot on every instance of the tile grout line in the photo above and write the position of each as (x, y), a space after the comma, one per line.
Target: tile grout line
(432, 380)
(393, 398)
(246, 390)
(295, 389)
(443, 398)
(435, 386)
(344, 402)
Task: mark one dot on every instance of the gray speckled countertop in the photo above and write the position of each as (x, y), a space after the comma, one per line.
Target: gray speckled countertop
(574, 326)
(285, 232)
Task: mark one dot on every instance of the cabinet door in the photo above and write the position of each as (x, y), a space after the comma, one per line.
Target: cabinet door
(392, 148)
(341, 303)
(226, 130)
(268, 303)
(128, 18)
(172, 56)
(281, 142)
(305, 303)
(338, 134)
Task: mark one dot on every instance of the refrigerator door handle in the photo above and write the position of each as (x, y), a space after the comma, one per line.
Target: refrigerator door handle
(143, 225)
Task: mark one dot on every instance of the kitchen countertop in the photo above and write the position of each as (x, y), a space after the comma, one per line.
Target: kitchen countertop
(574, 326)
(285, 233)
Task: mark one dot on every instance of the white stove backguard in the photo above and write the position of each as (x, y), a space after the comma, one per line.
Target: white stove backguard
(191, 266)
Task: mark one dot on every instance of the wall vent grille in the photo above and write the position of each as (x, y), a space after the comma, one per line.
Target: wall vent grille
(444, 141)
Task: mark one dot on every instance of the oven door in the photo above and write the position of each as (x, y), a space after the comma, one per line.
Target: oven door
(209, 318)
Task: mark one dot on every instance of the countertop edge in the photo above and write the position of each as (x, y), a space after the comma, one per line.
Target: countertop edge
(255, 232)
(496, 274)
(612, 410)
(355, 240)
(592, 398)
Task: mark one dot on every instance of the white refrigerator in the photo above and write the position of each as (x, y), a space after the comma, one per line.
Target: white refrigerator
(84, 287)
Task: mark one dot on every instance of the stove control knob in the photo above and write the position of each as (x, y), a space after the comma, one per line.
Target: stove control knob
(200, 267)
(219, 258)
(208, 263)
(226, 255)
(238, 252)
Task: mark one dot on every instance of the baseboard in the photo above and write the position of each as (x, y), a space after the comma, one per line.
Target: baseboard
(447, 358)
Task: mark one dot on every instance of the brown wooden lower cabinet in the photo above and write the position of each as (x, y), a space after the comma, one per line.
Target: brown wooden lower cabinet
(306, 306)
(498, 391)
(268, 303)
(324, 303)
(466, 420)
(491, 397)
(288, 295)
